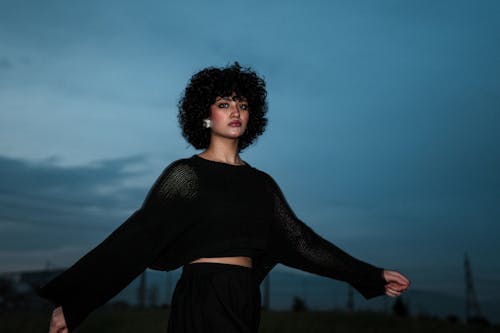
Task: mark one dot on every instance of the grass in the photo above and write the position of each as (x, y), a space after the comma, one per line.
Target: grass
(155, 320)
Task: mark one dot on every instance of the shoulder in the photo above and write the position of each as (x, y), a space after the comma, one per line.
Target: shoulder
(182, 168)
(262, 174)
(265, 177)
(179, 178)
(271, 185)
(259, 172)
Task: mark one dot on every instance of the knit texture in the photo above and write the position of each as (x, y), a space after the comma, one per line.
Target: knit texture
(201, 208)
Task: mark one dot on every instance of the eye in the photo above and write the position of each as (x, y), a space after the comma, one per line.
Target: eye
(244, 106)
(223, 105)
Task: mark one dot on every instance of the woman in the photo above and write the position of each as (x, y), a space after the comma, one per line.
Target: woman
(225, 222)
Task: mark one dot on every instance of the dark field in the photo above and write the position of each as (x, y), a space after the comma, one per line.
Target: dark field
(155, 320)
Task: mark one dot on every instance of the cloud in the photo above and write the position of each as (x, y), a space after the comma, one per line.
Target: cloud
(46, 206)
(10, 62)
(45, 179)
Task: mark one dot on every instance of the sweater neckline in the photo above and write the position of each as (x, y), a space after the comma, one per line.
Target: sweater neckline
(244, 165)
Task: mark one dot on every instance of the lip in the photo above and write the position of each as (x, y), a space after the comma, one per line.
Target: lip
(235, 123)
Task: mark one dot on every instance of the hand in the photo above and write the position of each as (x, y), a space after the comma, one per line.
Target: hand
(57, 321)
(397, 283)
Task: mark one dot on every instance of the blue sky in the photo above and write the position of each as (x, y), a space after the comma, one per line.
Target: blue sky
(383, 133)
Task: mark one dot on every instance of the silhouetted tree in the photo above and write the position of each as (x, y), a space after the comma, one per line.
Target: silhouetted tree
(7, 293)
(399, 308)
(298, 304)
(478, 320)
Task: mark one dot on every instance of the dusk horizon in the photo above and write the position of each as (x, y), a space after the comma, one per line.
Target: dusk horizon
(383, 128)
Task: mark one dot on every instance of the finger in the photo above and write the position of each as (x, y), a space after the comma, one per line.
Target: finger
(399, 278)
(57, 323)
(392, 293)
(56, 329)
(403, 279)
(396, 286)
(402, 283)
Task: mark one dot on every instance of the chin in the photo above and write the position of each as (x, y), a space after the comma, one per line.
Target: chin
(236, 135)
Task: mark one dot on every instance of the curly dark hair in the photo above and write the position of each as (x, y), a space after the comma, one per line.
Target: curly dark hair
(205, 86)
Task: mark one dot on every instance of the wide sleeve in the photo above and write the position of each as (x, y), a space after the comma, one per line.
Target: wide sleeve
(297, 245)
(126, 252)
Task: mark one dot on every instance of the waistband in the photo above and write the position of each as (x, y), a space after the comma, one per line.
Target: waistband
(201, 268)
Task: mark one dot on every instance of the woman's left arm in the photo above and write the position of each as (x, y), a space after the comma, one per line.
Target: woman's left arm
(297, 245)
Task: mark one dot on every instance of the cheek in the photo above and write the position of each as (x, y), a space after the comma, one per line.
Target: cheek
(216, 115)
(245, 116)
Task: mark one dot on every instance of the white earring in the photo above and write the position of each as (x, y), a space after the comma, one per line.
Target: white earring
(207, 123)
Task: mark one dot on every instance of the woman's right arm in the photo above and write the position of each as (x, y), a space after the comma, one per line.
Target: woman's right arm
(107, 269)
(124, 254)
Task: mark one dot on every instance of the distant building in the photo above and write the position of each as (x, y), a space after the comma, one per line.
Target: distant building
(17, 289)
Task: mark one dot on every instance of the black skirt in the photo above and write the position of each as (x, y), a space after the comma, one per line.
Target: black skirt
(213, 297)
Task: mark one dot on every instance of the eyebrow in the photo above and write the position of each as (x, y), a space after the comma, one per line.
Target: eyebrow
(231, 98)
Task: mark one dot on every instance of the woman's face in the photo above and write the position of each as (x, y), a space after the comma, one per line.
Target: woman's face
(229, 116)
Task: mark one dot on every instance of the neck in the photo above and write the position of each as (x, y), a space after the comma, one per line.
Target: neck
(225, 151)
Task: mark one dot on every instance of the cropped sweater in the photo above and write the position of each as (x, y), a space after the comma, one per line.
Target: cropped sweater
(201, 208)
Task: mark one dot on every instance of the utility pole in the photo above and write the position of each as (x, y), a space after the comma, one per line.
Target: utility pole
(141, 292)
(267, 286)
(153, 296)
(472, 309)
(169, 288)
(350, 299)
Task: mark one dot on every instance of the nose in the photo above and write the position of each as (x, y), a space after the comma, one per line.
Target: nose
(235, 110)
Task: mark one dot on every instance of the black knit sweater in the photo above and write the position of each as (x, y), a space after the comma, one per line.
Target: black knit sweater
(201, 208)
